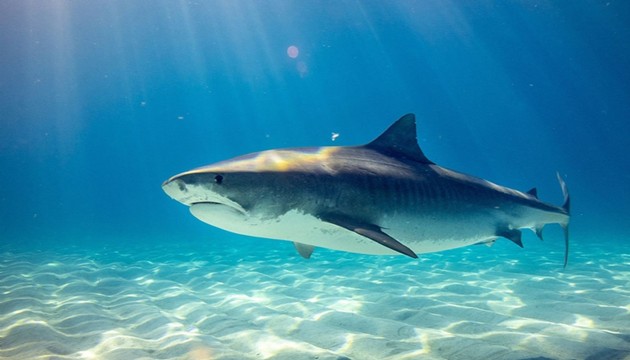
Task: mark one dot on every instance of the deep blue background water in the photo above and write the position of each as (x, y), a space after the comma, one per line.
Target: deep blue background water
(101, 101)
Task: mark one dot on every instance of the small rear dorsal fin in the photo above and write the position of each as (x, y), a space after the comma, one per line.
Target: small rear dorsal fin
(533, 192)
(400, 140)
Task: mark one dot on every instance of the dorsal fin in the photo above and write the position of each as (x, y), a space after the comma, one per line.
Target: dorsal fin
(400, 140)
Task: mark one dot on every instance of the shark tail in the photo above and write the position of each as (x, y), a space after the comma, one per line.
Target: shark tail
(565, 226)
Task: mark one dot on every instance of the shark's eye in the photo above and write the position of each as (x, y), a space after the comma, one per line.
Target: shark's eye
(218, 179)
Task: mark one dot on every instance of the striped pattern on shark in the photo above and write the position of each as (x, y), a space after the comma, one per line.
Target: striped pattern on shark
(385, 197)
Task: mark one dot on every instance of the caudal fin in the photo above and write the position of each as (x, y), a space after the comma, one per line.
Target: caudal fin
(565, 226)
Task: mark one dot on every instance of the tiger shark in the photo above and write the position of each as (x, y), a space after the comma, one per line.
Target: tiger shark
(385, 197)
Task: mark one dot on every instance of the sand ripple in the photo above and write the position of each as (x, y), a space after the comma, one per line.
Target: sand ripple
(200, 302)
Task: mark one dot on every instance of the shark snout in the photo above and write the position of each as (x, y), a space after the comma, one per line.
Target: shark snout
(192, 189)
(186, 188)
(176, 189)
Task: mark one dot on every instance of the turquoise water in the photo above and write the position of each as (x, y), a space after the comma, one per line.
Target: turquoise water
(101, 102)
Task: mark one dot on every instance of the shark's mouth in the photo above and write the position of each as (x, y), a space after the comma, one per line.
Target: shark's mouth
(229, 204)
(212, 212)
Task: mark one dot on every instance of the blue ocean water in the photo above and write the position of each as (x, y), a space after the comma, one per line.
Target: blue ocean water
(102, 101)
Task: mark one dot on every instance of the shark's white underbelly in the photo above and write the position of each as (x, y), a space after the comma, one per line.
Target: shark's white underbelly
(421, 235)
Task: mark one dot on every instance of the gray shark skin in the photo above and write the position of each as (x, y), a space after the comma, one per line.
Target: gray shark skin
(381, 198)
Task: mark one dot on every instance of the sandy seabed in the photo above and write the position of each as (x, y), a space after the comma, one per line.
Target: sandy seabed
(203, 302)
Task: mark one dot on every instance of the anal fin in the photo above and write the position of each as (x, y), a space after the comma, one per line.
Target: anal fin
(370, 231)
(513, 235)
(304, 250)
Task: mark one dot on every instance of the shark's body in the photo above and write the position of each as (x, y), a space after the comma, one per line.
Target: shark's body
(385, 197)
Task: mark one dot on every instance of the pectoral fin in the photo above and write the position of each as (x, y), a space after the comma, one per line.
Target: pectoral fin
(370, 231)
(304, 250)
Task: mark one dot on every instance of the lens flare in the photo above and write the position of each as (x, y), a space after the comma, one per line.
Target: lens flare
(293, 51)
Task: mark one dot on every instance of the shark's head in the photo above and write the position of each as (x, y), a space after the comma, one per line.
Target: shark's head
(243, 192)
(212, 194)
